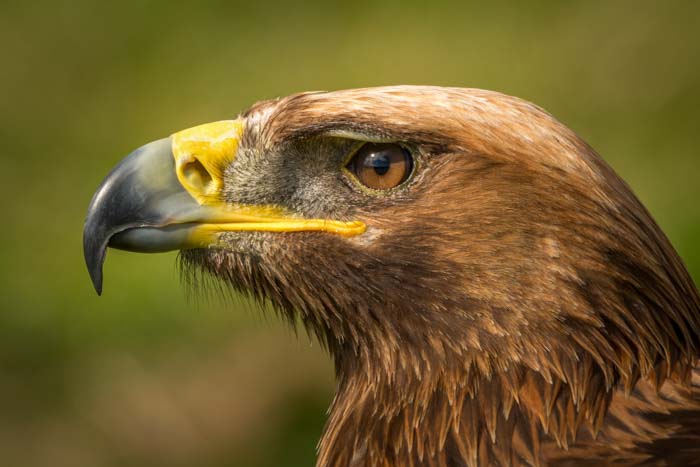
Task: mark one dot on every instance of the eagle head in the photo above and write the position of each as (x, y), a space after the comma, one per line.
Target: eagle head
(483, 280)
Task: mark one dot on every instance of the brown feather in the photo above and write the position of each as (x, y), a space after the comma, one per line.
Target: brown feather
(517, 306)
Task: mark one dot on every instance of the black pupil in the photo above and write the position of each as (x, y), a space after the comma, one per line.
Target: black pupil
(379, 161)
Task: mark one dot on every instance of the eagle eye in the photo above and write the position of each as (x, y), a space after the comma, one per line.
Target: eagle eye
(381, 166)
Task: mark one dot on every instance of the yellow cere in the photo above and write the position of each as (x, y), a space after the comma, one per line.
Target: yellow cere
(202, 154)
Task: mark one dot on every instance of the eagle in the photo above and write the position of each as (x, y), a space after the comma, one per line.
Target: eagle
(490, 291)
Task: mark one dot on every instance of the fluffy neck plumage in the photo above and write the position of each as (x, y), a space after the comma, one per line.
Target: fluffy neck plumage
(468, 410)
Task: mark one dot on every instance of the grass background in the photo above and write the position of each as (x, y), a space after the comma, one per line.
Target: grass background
(144, 377)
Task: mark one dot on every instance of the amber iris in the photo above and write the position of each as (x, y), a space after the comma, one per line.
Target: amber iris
(381, 166)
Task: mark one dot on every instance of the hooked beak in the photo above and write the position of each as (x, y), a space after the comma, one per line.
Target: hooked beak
(167, 195)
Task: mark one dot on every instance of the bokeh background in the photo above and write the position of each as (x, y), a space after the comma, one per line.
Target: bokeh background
(142, 376)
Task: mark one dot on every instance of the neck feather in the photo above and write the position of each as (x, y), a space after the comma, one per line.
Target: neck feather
(398, 409)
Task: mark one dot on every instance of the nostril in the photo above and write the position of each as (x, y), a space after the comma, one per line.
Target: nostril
(197, 176)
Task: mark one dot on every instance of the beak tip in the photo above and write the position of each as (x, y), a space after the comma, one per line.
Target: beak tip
(95, 271)
(94, 258)
(97, 282)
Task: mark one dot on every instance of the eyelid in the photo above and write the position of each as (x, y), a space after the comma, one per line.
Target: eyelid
(358, 136)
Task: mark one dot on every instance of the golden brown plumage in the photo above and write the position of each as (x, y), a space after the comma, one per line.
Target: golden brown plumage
(512, 303)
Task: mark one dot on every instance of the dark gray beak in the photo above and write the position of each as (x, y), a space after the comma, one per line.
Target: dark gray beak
(140, 206)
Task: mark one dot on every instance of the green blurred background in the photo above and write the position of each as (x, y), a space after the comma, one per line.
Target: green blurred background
(144, 377)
